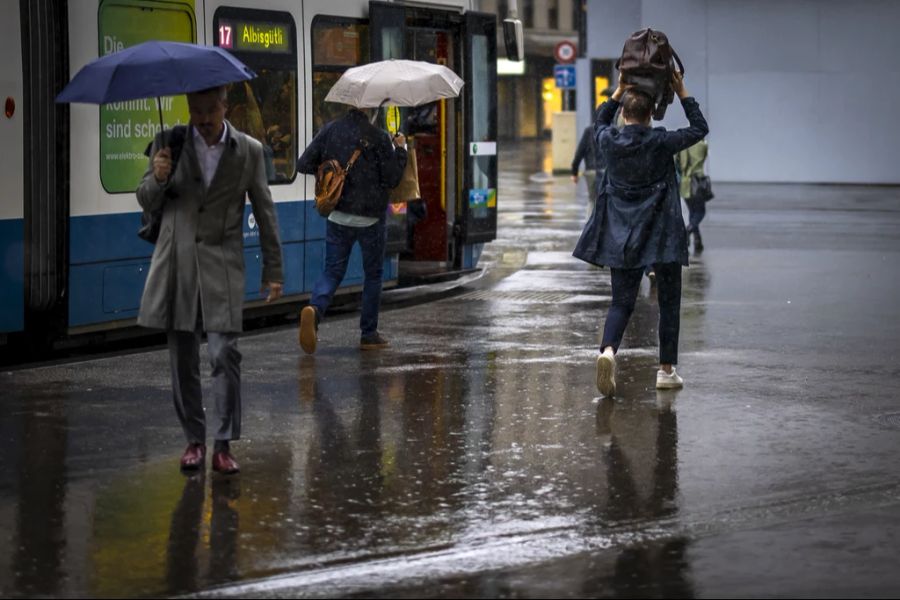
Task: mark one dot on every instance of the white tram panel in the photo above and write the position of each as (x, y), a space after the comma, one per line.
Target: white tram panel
(87, 196)
(11, 129)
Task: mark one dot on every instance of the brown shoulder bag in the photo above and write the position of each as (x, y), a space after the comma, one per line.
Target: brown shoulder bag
(330, 178)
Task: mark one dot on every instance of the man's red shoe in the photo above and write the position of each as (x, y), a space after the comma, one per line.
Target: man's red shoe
(193, 457)
(223, 462)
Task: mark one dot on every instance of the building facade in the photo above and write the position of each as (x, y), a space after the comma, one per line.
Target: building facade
(526, 92)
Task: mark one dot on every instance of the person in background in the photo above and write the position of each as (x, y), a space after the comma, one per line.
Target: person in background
(690, 161)
(359, 217)
(587, 153)
(637, 222)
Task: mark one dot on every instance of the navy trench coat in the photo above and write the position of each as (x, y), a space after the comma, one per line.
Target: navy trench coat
(376, 172)
(637, 215)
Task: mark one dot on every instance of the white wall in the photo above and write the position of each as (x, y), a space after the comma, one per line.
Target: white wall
(794, 90)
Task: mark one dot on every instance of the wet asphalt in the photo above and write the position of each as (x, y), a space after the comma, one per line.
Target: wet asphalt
(475, 457)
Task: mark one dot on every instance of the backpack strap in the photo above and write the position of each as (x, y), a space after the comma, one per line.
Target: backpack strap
(177, 137)
(678, 60)
(174, 138)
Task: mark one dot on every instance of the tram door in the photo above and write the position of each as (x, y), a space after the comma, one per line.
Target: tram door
(423, 231)
(478, 202)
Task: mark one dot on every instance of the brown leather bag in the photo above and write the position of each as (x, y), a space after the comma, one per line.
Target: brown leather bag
(648, 62)
(330, 178)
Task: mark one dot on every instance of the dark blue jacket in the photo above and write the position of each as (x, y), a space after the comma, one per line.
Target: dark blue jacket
(637, 217)
(378, 169)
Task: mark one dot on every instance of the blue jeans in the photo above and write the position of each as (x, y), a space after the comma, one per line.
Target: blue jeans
(339, 240)
(625, 286)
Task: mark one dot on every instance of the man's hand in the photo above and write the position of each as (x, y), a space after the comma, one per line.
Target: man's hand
(400, 140)
(574, 178)
(275, 290)
(678, 85)
(162, 165)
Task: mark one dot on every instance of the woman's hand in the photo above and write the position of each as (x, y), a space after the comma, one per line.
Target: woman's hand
(678, 85)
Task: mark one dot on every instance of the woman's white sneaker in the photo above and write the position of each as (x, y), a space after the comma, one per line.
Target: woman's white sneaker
(606, 373)
(668, 381)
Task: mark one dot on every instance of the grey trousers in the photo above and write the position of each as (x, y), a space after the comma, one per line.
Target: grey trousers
(225, 359)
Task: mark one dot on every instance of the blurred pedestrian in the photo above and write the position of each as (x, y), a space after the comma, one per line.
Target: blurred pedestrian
(196, 278)
(637, 222)
(690, 161)
(359, 217)
(587, 153)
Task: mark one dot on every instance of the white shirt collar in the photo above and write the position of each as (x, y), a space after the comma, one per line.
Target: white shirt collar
(209, 156)
(198, 137)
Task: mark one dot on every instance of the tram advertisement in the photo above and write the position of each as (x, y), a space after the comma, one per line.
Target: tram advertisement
(127, 127)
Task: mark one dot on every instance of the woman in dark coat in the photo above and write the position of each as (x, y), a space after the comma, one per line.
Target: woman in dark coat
(637, 222)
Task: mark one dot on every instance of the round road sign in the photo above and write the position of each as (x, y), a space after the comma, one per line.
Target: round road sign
(565, 52)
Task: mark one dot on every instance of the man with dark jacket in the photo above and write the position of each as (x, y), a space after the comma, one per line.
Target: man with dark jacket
(593, 166)
(637, 222)
(359, 216)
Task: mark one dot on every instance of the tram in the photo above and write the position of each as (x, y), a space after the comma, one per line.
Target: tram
(70, 260)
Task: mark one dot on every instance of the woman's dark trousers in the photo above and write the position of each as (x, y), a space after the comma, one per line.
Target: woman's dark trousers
(625, 286)
(696, 212)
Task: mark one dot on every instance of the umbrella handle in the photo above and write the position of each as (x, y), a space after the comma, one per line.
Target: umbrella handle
(378, 110)
(162, 126)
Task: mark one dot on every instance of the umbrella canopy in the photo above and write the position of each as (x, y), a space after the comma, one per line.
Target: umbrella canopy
(153, 69)
(396, 82)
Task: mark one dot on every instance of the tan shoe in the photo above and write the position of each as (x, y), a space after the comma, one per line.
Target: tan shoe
(309, 329)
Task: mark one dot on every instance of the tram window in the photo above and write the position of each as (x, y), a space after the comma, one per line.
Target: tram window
(338, 44)
(323, 112)
(480, 107)
(265, 107)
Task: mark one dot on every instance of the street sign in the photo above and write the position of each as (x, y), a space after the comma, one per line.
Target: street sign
(565, 76)
(564, 52)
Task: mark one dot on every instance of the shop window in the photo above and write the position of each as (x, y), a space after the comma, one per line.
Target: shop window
(265, 107)
(552, 97)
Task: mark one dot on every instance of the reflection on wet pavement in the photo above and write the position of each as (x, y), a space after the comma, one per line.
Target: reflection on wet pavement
(475, 458)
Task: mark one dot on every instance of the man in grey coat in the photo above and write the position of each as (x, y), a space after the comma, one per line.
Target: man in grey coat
(196, 279)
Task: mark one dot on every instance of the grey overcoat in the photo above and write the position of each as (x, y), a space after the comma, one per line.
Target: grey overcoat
(199, 257)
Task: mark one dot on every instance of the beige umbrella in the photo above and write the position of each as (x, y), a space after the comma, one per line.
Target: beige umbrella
(395, 82)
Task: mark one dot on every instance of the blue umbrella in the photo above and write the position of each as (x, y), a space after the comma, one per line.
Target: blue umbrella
(154, 69)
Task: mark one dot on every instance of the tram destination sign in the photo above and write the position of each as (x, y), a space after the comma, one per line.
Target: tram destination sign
(254, 36)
